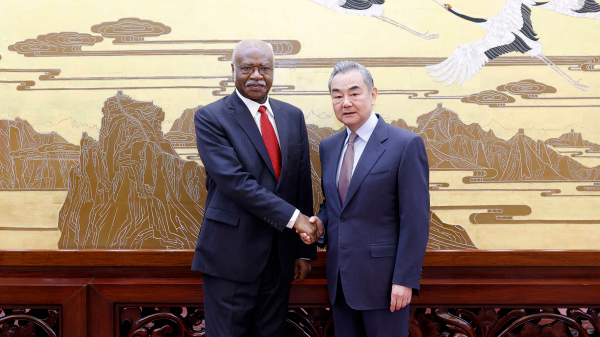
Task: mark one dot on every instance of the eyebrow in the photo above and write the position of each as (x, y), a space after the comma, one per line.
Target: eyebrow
(252, 64)
(335, 89)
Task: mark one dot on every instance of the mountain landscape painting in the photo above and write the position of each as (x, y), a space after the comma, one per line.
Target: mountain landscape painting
(98, 142)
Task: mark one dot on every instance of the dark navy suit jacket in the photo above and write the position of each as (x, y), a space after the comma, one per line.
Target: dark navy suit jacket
(378, 237)
(246, 205)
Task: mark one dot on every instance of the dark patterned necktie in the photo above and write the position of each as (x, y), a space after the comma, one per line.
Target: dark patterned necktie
(346, 169)
(270, 139)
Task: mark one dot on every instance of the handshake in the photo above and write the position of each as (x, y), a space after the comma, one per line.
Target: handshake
(310, 229)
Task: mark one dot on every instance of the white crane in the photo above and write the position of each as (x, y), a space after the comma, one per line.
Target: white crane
(576, 8)
(369, 8)
(509, 31)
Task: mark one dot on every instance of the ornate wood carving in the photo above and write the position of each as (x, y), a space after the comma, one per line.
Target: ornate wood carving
(481, 322)
(316, 322)
(489, 322)
(29, 323)
(161, 322)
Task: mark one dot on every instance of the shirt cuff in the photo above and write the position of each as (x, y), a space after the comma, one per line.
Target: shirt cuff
(305, 258)
(293, 219)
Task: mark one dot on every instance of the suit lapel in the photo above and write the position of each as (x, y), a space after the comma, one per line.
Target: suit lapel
(281, 122)
(334, 161)
(243, 116)
(371, 154)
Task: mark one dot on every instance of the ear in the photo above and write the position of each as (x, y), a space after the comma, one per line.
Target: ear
(232, 69)
(373, 95)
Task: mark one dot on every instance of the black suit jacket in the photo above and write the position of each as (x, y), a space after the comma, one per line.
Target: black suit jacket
(246, 205)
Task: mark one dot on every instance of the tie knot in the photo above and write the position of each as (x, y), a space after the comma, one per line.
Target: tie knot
(262, 109)
(352, 137)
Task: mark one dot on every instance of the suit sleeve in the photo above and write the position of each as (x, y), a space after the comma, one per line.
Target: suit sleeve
(413, 197)
(304, 190)
(221, 162)
(323, 216)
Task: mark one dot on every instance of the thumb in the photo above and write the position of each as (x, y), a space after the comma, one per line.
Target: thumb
(312, 219)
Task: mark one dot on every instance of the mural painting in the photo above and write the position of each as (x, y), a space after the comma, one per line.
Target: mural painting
(97, 141)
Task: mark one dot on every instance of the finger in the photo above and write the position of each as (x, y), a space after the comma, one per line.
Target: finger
(401, 303)
(393, 303)
(405, 301)
(303, 275)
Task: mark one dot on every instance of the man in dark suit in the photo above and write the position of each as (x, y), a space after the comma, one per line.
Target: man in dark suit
(256, 154)
(376, 211)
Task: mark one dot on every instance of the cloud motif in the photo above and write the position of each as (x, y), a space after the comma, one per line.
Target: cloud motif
(592, 64)
(71, 39)
(55, 44)
(527, 88)
(130, 29)
(491, 98)
(32, 47)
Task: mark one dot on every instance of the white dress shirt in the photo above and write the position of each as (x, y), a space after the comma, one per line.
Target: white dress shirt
(363, 135)
(253, 108)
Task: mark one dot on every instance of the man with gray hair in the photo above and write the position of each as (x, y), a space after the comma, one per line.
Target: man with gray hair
(375, 211)
(256, 154)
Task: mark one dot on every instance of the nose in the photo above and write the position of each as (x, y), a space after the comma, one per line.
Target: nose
(347, 102)
(256, 75)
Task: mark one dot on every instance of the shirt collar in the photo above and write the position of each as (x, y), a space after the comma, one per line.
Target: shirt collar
(253, 106)
(366, 130)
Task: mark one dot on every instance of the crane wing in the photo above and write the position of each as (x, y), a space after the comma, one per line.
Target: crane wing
(589, 6)
(468, 59)
(357, 4)
(512, 11)
(517, 14)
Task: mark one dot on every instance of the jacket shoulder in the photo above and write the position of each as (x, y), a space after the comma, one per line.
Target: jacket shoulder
(213, 107)
(399, 134)
(330, 139)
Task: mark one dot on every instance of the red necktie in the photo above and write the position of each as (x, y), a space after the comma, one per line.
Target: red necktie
(270, 139)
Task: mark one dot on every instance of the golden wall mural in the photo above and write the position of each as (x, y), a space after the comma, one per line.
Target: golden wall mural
(97, 141)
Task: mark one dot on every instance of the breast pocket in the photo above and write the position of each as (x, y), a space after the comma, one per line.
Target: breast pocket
(378, 173)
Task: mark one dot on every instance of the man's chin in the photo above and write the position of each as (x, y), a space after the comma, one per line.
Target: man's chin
(350, 121)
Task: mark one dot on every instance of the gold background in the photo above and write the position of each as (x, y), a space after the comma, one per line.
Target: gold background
(30, 217)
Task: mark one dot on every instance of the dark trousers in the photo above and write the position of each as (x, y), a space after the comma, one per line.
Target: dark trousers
(367, 323)
(255, 309)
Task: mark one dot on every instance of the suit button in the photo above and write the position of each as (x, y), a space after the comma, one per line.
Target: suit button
(342, 219)
(265, 218)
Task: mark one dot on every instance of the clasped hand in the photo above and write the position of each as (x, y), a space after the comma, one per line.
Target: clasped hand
(310, 230)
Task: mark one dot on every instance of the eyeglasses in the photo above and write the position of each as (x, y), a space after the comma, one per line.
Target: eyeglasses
(247, 70)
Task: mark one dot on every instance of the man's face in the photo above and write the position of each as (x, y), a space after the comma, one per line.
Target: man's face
(352, 100)
(254, 85)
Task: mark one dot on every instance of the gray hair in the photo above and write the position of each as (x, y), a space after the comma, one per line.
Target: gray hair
(346, 66)
(250, 43)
